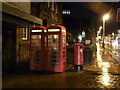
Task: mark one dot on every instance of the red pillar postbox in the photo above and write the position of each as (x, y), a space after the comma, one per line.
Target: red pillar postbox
(37, 48)
(78, 56)
(56, 48)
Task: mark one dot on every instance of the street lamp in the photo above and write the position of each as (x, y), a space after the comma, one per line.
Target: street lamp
(100, 28)
(105, 17)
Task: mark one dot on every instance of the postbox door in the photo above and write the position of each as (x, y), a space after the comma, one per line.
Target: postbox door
(53, 51)
(36, 51)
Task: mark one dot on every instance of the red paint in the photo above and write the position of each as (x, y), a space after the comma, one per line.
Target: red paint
(37, 49)
(78, 54)
(49, 53)
(56, 49)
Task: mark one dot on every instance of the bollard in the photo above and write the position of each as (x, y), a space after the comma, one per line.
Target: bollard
(78, 57)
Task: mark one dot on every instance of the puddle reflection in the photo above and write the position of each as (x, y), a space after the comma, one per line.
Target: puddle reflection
(104, 79)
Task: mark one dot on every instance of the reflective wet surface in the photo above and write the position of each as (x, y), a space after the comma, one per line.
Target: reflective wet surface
(103, 62)
(103, 73)
(62, 80)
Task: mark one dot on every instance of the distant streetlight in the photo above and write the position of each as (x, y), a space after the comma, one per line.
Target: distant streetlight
(105, 17)
(80, 38)
(113, 35)
(99, 32)
(83, 34)
(100, 28)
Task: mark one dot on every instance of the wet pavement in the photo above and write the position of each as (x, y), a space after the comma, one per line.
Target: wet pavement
(103, 61)
(103, 73)
(62, 80)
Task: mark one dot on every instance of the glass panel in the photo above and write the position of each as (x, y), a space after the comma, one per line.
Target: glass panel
(64, 39)
(53, 50)
(36, 49)
(64, 42)
(53, 65)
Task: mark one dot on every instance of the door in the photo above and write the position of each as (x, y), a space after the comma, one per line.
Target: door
(8, 46)
(36, 52)
(53, 52)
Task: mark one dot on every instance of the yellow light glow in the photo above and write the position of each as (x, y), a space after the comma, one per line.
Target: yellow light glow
(105, 17)
(53, 30)
(100, 27)
(113, 34)
(98, 54)
(36, 30)
(105, 79)
(45, 30)
(55, 36)
(63, 30)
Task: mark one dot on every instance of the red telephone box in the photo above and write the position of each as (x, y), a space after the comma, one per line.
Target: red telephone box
(37, 48)
(78, 56)
(56, 48)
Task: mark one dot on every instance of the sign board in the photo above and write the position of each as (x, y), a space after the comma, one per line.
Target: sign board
(118, 14)
(87, 41)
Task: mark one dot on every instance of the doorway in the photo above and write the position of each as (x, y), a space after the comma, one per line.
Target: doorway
(8, 46)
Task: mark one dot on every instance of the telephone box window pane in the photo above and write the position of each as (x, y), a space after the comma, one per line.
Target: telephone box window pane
(53, 50)
(36, 49)
(64, 39)
(53, 65)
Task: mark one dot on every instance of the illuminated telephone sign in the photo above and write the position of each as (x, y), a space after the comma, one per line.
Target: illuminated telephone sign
(56, 48)
(37, 45)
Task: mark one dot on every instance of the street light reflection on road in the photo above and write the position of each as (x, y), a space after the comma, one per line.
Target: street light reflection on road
(105, 77)
(98, 54)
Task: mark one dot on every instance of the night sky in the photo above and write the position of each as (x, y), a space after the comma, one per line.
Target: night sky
(88, 17)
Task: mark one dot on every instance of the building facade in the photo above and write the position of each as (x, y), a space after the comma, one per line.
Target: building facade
(17, 20)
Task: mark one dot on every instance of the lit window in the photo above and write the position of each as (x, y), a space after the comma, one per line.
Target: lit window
(56, 10)
(48, 4)
(24, 33)
(66, 12)
(53, 6)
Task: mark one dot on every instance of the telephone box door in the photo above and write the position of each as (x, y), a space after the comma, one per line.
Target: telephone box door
(37, 49)
(53, 52)
(56, 52)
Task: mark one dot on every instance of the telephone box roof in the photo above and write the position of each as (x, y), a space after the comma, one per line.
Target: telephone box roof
(39, 27)
(59, 26)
